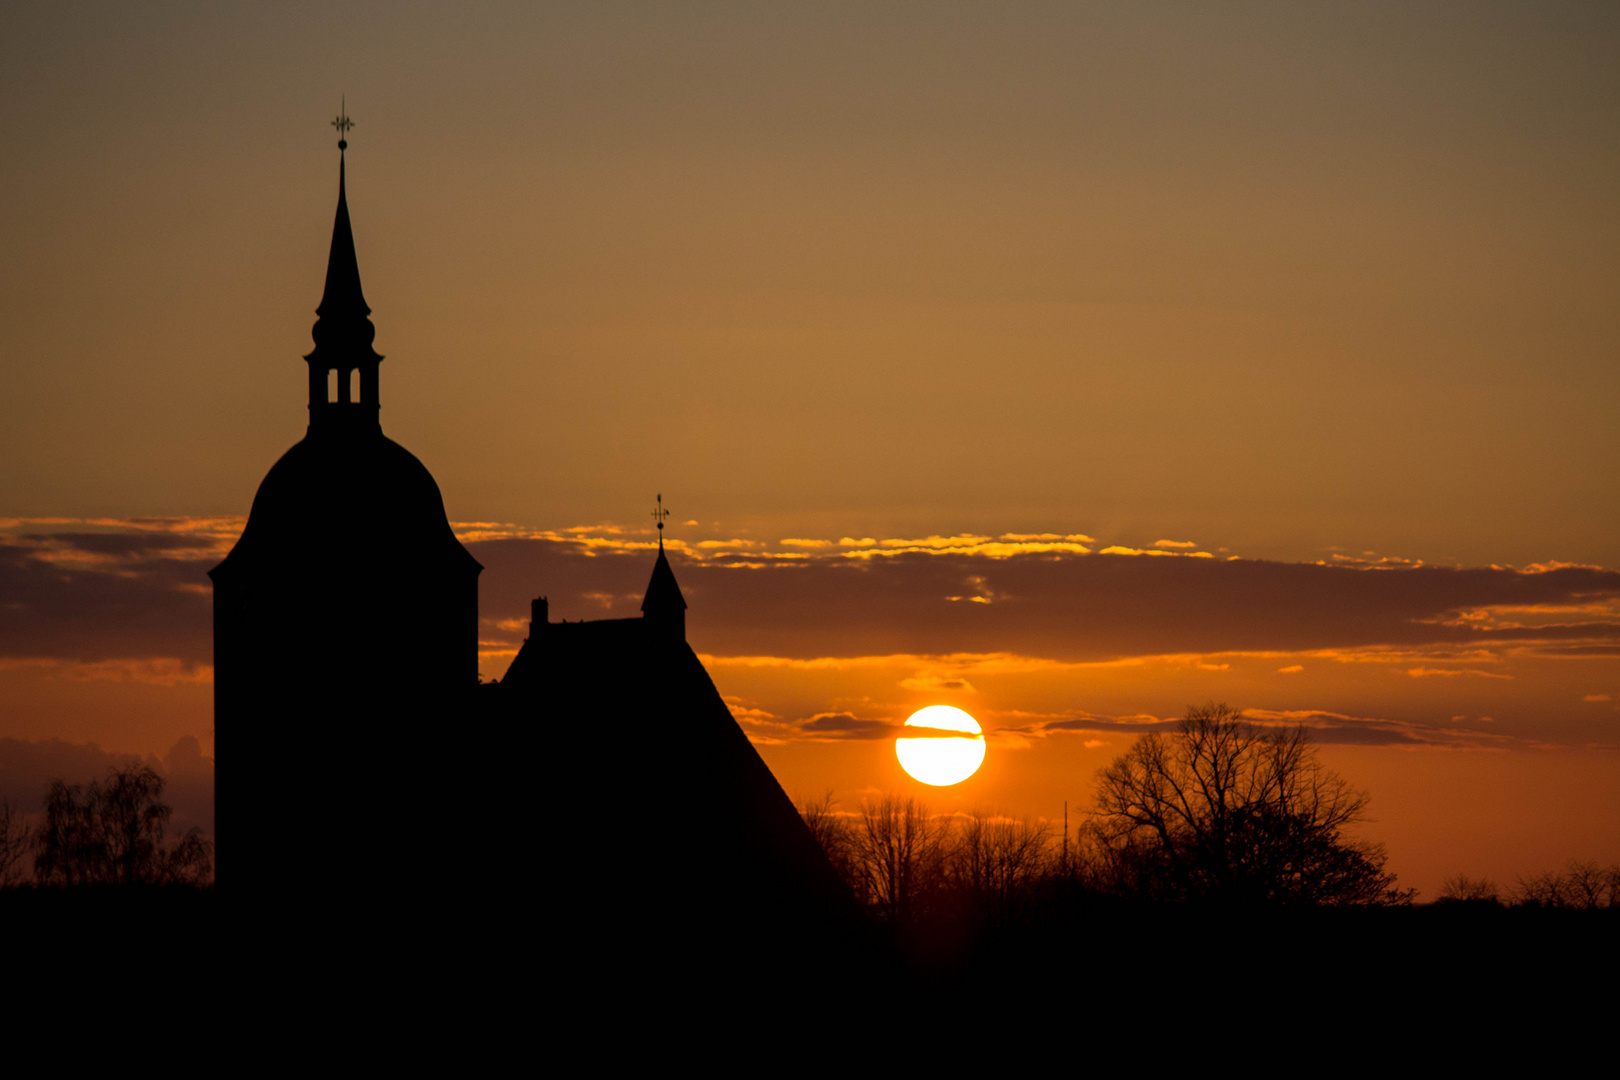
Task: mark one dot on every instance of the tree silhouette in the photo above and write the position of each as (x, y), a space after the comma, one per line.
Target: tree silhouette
(1225, 810)
(1580, 886)
(833, 834)
(911, 867)
(898, 846)
(1462, 889)
(16, 840)
(995, 864)
(113, 833)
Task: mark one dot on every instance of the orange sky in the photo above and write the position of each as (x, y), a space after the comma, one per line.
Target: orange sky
(1293, 283)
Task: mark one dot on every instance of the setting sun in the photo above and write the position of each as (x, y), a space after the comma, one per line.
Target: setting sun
(942, 760)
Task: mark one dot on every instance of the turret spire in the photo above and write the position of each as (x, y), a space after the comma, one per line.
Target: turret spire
(343, 330)
(663, 605)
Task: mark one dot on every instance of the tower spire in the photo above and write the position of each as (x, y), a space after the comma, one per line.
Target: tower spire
(343, 330)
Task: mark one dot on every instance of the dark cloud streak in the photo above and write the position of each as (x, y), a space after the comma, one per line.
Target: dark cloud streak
(1072, 608)
(134, 593)
(846, 726)
(147, 607)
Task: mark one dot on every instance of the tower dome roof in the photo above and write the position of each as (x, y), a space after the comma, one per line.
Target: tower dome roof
(360, 497)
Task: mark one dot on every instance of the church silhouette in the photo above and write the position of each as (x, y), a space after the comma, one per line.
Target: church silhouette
(612, 780)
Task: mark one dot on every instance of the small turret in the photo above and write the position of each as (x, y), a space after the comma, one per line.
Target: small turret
(664, 607)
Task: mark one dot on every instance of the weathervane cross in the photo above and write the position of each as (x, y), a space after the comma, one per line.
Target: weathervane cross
(659, 515)
(343, 124)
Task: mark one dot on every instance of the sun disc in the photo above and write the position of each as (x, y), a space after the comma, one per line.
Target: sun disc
(942, 760)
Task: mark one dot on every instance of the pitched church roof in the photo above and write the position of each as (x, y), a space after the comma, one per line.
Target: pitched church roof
(643, 738)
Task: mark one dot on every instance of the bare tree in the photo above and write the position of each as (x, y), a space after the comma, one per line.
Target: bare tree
(998, 863)
(1460, 888)
(897, 846)
(1592, 886)
(113, 833)
(1579, 886)
(16, 840)
(1224, 809)
(832, 832)
(1542, 890)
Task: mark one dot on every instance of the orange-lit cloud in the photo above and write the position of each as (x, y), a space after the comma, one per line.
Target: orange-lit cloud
(156, 670)
(1005, 620)
(104, 590)
(1048, 598)
(1424, 672)
(1325, 727)
(971, 594)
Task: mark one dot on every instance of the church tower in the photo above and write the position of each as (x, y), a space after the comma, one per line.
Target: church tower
(345, 630)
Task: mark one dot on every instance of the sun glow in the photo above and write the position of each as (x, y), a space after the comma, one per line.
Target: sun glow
(942, 760)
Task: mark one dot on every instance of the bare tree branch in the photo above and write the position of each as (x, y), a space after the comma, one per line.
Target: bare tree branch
(1226, 809)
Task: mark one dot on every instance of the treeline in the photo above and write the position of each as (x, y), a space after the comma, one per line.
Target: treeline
(1579, 886)
(907, 865)
(110, 832)
(1220, 813)
(912, 868)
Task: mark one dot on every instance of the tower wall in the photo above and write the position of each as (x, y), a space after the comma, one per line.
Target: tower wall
(336, 695)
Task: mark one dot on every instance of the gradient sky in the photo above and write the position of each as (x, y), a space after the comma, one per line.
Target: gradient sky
(1294, 283)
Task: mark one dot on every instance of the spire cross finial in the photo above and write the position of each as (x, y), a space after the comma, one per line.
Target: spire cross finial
(343, 124)
(659, 515)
